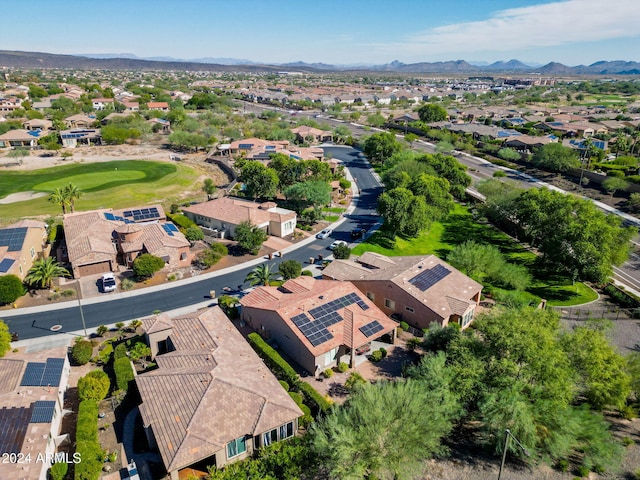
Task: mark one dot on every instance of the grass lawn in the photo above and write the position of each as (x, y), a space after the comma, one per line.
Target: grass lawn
(459, 227)
(334, 209)
(115, 184)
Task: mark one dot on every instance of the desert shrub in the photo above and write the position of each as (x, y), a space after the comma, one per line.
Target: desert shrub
(343, 367)
(101, 330)
(127, 284)
(93, 386)
(562, 465)
(375, 356)
(220, 248)
(582, 471)
(328, 373)
(413, 343)
(499, 174)
(354, 380)
(81, 352)
(105, 354)
(11, 289)
(69, 292)
(209, 257)
(146, 265)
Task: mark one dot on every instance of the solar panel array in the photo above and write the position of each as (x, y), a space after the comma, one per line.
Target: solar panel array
(13, 238)
(43, 374)
(170, 228)
(43, 411)
(316, 330)
(111, 216)
(143, 214)
(371, 328)
(5, 264)
(429, 277)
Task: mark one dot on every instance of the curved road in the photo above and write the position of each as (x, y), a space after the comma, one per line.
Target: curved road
(126, 307)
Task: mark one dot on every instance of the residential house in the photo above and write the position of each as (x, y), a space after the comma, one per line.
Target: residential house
(526, 143)
(317, 323)
(98, 241)
(32, 388)
(10, 103)
(20, 138)
(212, 401)
(131, 106)
(21, 244)
(159, 106)
(224, 214)
(312, 135)
(161, 125)
(38, 124)
(102, 103)
(80, 120)
(80, 136)
(580, 143)
(418, 290)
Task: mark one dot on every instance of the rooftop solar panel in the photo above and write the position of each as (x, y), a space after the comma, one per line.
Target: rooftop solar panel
(371, 328)
(5, 264)
(43, 374)
(13, 238)
(128, 213)
(32, 376)
(429, 277)
(109, 216)
(43, 411)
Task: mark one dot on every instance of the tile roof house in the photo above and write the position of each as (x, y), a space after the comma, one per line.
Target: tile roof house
(32, 387)
(418, 290)
(20, 245)
(316, 322)
(80, 136)
(212, 400)
(99, 240)
(226, 213)
(161, 106)
(528, 142)
(304, 132)
(20, 138)
(80, 120)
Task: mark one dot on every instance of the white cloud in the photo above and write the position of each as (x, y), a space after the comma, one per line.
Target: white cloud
(547, 25)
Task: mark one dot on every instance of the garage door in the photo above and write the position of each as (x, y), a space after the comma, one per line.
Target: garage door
(93, 268)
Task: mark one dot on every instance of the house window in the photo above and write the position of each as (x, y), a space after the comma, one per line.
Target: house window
(389, 304)
(269, 437)
(409, 309)
(371, 296)
(286, 430)
(33, 252)
(236, 447)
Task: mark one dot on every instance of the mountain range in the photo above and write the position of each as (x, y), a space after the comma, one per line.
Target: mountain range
(126, 61)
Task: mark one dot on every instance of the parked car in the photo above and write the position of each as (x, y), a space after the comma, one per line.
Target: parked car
(357, 233)
(108, 283)
(324, 233)
(363, 349)
(336, 244)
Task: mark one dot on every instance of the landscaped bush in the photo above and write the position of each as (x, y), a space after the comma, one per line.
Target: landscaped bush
(87, 444)
(193, 234)
(375, 356)
(81, 352)
(93, 386)
(316, 401)
(514, 299)
(404, 326)
(120, 351)
(101, 330)
(328, 373)
(354, 380)
(146, 265)
(58, 470)
(219, 248)
(127, 284)
(621, 297)
(11, 289)
(297, 397)
(343, 367)
(383, 352)
(124, 373)
(284, 385)
(307, 273)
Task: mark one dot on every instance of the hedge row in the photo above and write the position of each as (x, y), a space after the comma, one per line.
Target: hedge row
(120, 351)
(284, 371)
(182, 221)
(124, 373)
(621, 297)
(87, 444)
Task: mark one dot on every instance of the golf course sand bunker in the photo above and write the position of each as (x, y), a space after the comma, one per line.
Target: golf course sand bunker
(21, 197)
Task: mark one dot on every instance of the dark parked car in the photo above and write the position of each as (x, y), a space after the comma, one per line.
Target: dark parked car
(358, 233)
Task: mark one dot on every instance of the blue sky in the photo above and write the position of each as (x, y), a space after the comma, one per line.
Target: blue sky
(332, 31)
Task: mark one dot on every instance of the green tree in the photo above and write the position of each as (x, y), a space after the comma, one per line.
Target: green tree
(11, 289)
(93, 386)
(403, 212)
(193, 234)
(209, 188)
(139, 351)
(314, 193)
(380, 146)
(509, 154)
(72, 193)
(613, 184)
(555, 157)
(250, 237)
(435, 191)
(430, 113)
(5, 338)
(342, 252)
(145, 265)
(259, 181)
(261, 275)
(81, 351)
(59, 197)
(604, 379)
(290, 269)
(384, 430)
(43, 272)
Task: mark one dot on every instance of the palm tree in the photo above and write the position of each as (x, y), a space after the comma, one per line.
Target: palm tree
(59, 197)
(261, 275)
(43, 272)
(72, 193)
